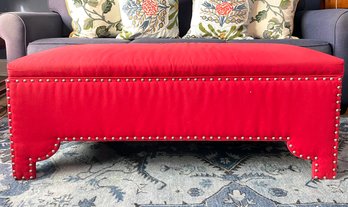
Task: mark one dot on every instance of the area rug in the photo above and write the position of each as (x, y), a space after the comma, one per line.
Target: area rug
(174, 174)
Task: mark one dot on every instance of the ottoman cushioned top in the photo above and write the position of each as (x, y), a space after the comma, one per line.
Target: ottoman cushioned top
(168, 60)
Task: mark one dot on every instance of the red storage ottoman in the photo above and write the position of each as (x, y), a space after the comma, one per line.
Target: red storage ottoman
(175, 92)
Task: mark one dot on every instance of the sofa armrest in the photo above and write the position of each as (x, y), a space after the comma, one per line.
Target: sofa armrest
(19, 28)
(330, 25)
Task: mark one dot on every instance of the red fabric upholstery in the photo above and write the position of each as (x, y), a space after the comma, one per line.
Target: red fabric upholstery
(219, 93)
(167, 60)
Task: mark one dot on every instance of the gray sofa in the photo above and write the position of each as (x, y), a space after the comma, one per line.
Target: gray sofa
(27, 33)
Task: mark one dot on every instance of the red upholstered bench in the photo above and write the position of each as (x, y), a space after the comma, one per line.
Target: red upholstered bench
(175, 92)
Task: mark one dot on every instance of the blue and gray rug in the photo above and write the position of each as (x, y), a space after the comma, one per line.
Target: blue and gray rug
(173, 175)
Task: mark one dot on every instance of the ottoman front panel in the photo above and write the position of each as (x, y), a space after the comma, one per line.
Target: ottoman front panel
(300, 110)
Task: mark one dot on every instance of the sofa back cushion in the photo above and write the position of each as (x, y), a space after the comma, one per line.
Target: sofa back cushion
(185, 12)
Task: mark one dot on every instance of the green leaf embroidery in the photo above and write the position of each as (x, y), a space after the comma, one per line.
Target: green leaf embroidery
(261, 16)
(78, 3)
(171, 25)
(284, 4)
(125, 35)
(102, 31)
(171, 16)
(106, 7)
(212, 30)
(93, 3)
(206, 33)
(88, 24)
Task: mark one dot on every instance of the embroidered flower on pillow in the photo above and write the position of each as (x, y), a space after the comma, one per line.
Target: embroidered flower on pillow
(149, 18)
(150, 7)
(224, 9)
(222, 19)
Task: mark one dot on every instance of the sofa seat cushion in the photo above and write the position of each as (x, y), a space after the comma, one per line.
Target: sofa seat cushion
(44, 44)
(178, 40)
(173, 60)
(49, 43)
(318, 45)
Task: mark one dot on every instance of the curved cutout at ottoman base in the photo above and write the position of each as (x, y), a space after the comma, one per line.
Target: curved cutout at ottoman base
(25, 169)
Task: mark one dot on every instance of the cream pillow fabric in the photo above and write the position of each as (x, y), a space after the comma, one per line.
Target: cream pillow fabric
(272, 19)
(149, 18)
(94, 18)
(222, 19)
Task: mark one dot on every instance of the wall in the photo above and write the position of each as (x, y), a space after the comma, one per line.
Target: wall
(23, 5)
(332, 4)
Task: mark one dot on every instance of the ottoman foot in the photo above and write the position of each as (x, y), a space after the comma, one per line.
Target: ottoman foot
(324, 167)
(24, 160)
(23, 169)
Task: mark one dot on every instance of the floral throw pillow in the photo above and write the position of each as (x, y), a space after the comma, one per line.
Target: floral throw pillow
(222, 19)
(94, 18)
(272, 19)
(149, 18)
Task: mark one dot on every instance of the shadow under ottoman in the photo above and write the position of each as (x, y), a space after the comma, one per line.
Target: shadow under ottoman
(175, 92)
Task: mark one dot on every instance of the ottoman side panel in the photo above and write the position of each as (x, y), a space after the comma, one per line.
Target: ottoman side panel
(47, 111)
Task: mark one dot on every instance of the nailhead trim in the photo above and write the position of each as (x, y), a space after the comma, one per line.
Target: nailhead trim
(336, 127)
(215, 138)
(123, 79)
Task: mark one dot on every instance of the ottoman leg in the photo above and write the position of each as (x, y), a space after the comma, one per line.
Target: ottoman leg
(321, 150)
(24, 158)
(324, 167)
(23, 168)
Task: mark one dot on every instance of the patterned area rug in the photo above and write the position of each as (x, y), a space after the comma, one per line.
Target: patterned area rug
(174, 175)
